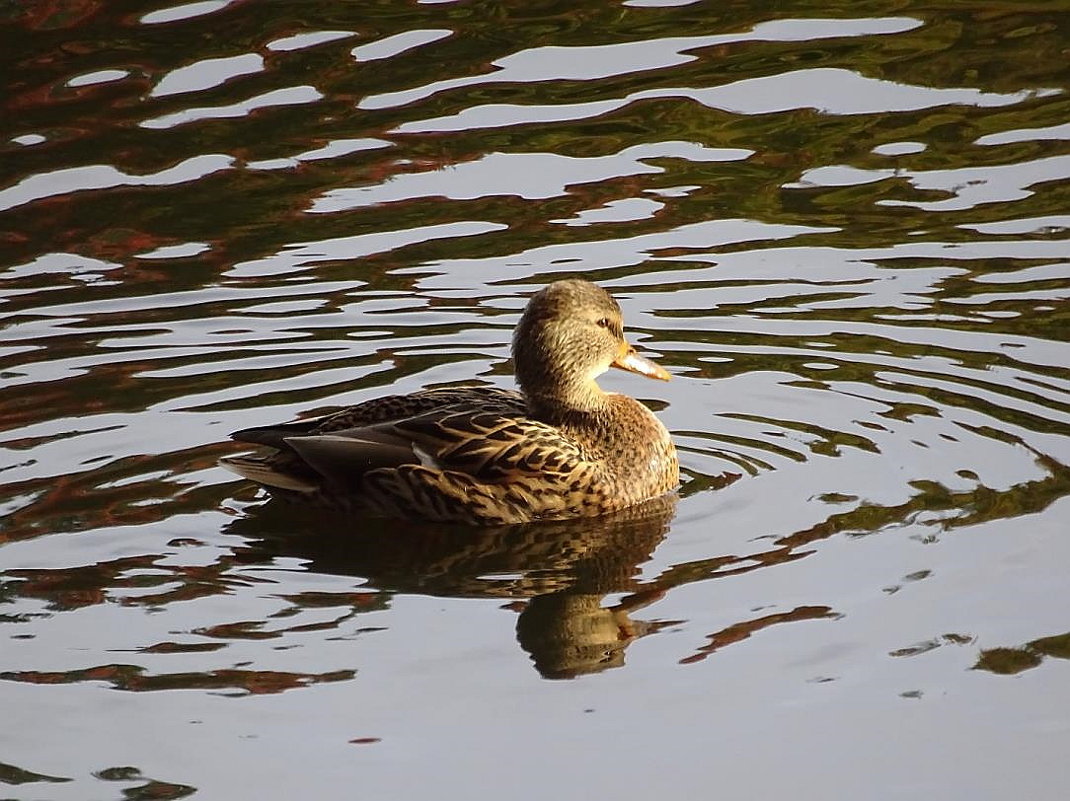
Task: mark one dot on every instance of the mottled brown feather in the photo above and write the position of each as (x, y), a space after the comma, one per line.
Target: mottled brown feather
(562, 447)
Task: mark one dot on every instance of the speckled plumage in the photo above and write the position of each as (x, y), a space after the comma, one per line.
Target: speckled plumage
(561, 447)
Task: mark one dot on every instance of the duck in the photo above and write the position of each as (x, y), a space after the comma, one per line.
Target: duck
(558, 447)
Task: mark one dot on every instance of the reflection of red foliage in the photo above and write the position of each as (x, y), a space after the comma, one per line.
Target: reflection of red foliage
(132, 677)
(55, 14)
(320, 600)
(117, 244)
(39, 96)
(742, 631)
(13, 238)
(76, 588)
(78, 502)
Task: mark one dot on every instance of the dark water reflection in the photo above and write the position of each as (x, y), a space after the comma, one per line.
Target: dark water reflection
(563, 570)
(844, 230)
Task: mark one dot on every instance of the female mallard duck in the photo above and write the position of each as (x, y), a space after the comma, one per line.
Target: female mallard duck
(561, 447)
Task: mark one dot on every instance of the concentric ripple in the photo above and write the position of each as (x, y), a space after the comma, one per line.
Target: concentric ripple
(843, 230)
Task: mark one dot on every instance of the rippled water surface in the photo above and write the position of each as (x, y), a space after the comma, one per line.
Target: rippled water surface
(842, 227)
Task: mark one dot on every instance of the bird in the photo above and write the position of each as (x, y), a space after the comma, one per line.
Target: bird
(559, 447)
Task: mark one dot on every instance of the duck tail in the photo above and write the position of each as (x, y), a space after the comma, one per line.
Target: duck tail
(263, 473)
(275, 435)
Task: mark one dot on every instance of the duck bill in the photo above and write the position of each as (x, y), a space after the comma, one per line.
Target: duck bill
(634, 363)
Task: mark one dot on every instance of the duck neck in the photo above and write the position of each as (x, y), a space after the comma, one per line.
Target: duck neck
(560, 402)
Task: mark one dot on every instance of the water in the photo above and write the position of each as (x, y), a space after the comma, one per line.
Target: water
(844, 230)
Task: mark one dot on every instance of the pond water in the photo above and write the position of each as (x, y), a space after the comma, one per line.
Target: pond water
(842, 227)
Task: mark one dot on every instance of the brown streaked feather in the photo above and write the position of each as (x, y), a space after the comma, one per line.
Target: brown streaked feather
(400, 407)
(487, 445)
(487, 467)
(450, 496)
(562, 447)
(386, 409)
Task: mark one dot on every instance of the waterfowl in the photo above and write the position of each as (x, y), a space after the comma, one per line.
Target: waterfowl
(560, 447)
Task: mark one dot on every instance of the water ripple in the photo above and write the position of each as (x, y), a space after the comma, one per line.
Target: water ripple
(846, 238)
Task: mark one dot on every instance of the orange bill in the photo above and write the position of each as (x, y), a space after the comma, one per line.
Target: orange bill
(634, 363)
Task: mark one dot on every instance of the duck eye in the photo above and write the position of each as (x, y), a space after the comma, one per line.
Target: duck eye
(603, 323)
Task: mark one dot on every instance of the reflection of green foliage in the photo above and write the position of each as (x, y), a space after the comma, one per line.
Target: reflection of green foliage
(974, 44)
(995, 47)
(10, 774)
(1008, 661)
(137, 679)
(967, 507)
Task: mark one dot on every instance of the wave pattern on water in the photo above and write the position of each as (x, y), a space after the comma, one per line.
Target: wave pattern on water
(845, 232)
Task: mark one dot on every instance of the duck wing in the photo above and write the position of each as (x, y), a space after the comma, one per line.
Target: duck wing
(386, 409)
(484, 468)
(483, 462)
(485, 446)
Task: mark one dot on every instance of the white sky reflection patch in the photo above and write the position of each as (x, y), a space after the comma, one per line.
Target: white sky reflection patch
(528, 175)
(555, 63)
(104, 176)
(290, 96)
(207, 74)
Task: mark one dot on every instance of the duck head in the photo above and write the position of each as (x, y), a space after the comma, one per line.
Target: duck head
(570, 333)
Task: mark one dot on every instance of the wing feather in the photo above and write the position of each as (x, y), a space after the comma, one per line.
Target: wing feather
(458, 455)
(490, 446)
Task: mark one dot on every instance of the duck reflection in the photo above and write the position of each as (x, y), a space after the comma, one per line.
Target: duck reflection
(569, 634)
(557, 572)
